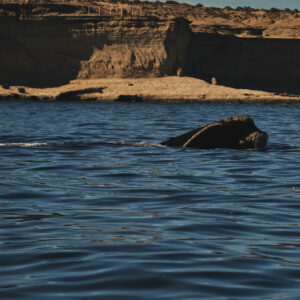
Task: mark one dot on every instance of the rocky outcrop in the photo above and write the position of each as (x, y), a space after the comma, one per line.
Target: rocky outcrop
(75, 94)
(237, 132)
(55, 50)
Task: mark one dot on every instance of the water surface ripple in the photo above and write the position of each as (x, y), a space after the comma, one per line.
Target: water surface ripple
(93, 208)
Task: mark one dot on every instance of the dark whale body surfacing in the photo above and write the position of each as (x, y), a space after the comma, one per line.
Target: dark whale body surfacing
(237, 132)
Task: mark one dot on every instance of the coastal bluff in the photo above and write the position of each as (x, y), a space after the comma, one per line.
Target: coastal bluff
(48, 45)
(51, 51)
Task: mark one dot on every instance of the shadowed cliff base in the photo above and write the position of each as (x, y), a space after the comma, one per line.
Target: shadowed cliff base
(262, 64)
(48, 45)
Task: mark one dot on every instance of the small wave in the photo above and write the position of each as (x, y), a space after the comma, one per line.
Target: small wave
(74, 144)
(282, 147)
(137, 144)
(23, 145)
(78, 144)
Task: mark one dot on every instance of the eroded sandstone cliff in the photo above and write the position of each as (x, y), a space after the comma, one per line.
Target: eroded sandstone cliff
(53, 51)
(49, 45)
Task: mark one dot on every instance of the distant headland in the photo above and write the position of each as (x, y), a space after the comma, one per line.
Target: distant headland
(148, 51)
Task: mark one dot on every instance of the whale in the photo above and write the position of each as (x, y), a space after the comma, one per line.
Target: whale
(235, 132)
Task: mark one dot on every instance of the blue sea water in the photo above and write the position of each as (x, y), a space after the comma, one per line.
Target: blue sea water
(91, 207)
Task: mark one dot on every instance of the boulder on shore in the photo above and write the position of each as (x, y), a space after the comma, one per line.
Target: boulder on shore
(237, 132)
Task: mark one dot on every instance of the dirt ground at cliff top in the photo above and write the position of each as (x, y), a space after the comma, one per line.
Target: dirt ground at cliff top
(169, 89)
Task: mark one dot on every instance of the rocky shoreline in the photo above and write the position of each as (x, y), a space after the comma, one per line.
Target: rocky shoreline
(157, 89)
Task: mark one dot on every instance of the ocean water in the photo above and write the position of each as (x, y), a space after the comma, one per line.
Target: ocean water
(91, 207)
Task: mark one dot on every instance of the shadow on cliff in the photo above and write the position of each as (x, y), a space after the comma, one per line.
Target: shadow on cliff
(46, 56)
(177, 44)
(254, 63)
(271, 65)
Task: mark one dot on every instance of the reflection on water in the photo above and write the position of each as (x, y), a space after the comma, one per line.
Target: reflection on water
(92, 207)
